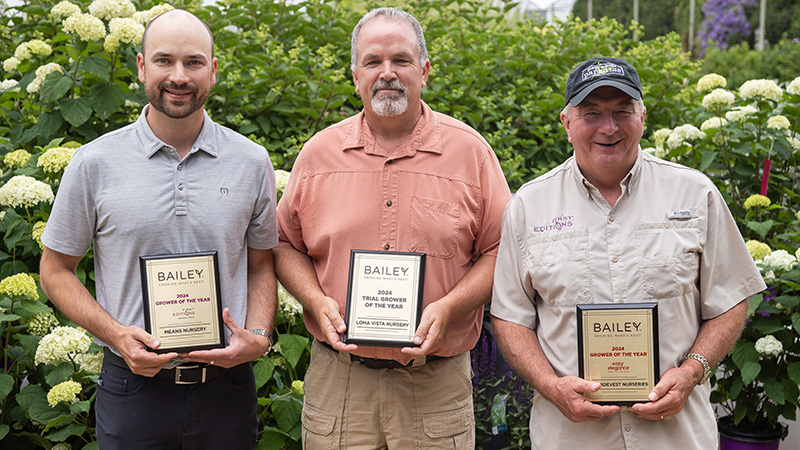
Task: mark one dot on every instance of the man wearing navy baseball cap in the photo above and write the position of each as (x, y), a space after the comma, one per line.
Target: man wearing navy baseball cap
(618, 230)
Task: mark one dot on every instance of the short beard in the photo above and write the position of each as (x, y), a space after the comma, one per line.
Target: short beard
(186, 109)
(389, 105)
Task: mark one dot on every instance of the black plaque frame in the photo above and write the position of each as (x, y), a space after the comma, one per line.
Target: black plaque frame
(354, 317)
(617, 389)
(151, 321)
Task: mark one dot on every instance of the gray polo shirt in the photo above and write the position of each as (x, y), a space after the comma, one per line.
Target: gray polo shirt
(130, 194)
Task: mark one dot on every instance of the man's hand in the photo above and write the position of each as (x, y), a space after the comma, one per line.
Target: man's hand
(244, 347)
(668, 395)
(569, 396)
(330, 321)
(132, 345)
(432, 328)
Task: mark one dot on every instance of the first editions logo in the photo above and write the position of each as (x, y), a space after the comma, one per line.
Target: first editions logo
(602, 69)
(562, 221)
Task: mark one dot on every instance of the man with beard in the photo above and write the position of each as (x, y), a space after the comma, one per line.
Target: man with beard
(397, 177)
(172, 183)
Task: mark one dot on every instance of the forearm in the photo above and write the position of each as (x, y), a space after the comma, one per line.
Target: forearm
(262, 291)
(70, 296)
(296, 273)
(521, 349)
(717, 336)
(474, 290)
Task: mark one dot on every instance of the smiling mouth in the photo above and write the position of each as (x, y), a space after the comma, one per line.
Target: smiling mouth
(610, 144)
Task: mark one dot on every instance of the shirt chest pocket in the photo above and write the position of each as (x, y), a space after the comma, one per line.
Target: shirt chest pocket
(559, 267)
(669, 258)
(434, 227)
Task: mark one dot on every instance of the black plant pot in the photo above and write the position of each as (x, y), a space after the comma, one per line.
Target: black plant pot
(733, 438)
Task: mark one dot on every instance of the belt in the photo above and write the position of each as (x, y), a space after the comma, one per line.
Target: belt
(189, 373)
(374, 363)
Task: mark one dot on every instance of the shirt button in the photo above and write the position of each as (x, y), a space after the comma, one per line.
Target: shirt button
(180, 167)
(627, 428)
(388, 203)
(610, 218)
(389, 161)
(386, 246)
(619, 300)
(667, 225)
(615, 259)
(180, 187)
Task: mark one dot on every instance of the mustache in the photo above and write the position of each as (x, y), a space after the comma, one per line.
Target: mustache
(394, 84)
(171, 86)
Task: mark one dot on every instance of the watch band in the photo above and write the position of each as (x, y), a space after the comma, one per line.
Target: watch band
(266, 334)
(702, 360)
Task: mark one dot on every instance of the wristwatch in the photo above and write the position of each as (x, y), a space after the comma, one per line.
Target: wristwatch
(702, 360)
(266, 334)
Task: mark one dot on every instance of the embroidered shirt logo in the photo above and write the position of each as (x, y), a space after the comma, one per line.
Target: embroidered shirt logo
(601, 70)
(680, 214)
(562, 221)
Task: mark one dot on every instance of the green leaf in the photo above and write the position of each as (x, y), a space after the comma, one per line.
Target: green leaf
(54, 86)
(774, 390)
(8, 317)
(59, 374)
(292, 347)
(287, 412)
(82, 406)
(32, 307)
(743, 352)
(106, 98)
(97, 66)
(263, 369)
(796, 322)
(271, 440)
(91, 446)
(48, 124)
(30, 343)
(769, 325)
(750, 371)
(3, 430)
(708, 158)
(76, 111)
(762, 228)
(794, 371)
(6, 385)
(62, 434)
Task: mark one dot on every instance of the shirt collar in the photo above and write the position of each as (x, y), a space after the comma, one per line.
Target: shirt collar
(426, 136)
(628, 183)
(206, 141)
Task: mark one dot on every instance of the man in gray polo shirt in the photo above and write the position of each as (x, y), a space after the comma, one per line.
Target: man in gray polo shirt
(174, 182)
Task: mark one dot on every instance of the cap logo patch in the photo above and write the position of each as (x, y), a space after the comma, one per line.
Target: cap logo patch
(602, 69)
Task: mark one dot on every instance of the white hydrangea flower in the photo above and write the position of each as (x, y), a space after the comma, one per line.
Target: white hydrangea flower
(778, 122)
(11, 64)
(288, 304)
(109, 9)
(714, 122)
(126, 30)
(719, 98)
(90, 362)
(769, 346)
(9, 85)
(26, 191)
(794, 87)
(794, 143)
(17, 158)
(62, 345)
(780, 260)
(39, 47)
(763, 89)
(682, 135)
(65, 9)
(281, 179)
(55, 159)
(36, 233)
(711, 81)
(660, 136)
(769, 275)
(66, 392)
(86, 26)
(146, 16)
(740, 113)
(41, 73)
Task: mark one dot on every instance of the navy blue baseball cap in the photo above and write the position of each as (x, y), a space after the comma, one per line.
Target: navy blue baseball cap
(602, 71)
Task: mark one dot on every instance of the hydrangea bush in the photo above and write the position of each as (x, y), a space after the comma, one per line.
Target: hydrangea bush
(748, 143)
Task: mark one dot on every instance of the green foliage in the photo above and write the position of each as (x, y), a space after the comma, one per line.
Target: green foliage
(739, 63)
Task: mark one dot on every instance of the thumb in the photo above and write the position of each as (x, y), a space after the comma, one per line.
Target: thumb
(229, 322)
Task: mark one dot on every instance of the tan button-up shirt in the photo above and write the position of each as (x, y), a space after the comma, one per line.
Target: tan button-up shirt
(441, 193)
(670, 239)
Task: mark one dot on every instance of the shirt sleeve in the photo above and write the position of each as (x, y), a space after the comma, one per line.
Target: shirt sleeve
(72, 223)
(262, 233)
(728, 273)
(290, 232)
(495, 196)
(513, 295)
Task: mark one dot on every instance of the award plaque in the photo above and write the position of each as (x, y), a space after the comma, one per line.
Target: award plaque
(182, 305)
(384, 298)
(618, 348)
